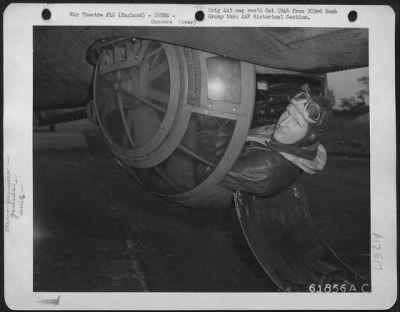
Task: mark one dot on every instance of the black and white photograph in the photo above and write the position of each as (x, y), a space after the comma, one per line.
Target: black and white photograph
(212, 160)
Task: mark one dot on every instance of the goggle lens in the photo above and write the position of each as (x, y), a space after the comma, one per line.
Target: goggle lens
(301, 97)
(313, 111)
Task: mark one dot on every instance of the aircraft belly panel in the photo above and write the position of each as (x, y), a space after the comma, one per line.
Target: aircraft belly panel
(60, 52)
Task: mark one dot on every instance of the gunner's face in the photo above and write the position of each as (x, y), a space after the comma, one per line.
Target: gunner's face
(291, 126)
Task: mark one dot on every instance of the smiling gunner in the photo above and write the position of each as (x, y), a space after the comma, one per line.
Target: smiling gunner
(274, 156)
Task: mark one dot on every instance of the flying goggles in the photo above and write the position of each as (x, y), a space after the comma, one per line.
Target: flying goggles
(311, 110)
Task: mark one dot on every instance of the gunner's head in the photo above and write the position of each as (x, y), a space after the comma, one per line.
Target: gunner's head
(304, 121)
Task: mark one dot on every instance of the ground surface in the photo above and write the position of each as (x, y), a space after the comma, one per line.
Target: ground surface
(95, 230)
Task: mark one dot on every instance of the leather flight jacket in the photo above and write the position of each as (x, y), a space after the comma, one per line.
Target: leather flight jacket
(261, 171)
